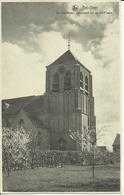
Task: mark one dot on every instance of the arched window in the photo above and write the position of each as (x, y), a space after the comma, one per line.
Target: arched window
(81, 82)
(86, 85)
(56, 82)
(21, 122)
(67, 81)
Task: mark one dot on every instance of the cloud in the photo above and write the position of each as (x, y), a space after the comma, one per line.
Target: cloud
(66, 27)
(22, 73)
(20, 20)
(53, 44)
(31, 27)
(23, 70)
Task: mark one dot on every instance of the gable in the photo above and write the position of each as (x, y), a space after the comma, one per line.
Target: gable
(66, 58)
(29, 121)
(22, 115)
(117, 140)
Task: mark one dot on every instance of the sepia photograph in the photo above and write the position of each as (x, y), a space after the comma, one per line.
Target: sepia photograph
(61, 96)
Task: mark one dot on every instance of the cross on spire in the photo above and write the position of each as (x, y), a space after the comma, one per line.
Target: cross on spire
(69, 41)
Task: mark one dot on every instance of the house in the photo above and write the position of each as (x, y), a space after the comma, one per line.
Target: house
(101, 149)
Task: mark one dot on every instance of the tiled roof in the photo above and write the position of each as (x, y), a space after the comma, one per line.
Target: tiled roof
(67, 57)
(12, 106)
(29, 104)
(117, 140)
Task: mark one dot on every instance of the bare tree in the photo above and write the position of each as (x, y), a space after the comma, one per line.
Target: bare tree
(89, 135)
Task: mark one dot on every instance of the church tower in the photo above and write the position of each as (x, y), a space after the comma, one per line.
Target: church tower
(70, 102)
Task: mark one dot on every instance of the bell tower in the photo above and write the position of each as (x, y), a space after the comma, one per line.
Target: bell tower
(70, 101)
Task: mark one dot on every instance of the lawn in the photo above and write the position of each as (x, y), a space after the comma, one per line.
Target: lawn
(66, 179)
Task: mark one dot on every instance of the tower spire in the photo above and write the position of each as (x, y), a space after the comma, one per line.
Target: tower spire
(69, 41)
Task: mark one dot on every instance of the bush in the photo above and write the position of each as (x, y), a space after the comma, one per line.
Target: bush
(55, 158)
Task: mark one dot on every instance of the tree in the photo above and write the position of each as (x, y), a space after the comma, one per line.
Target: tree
(7, 148)
(15, 147)
(88, 136)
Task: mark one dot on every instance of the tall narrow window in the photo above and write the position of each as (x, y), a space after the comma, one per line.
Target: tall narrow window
(56, 82)
(81, 82)
(86, 85)
(21, 123)
(62, 144)
(67, 81)
(84, 104)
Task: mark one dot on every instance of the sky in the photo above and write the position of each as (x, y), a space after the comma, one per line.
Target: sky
(34, 35)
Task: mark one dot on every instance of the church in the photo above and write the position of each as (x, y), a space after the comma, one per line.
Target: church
(67, 103)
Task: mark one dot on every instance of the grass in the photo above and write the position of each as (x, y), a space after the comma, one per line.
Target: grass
(66, 179)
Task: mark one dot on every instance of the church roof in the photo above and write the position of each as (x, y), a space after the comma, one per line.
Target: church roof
(29, 104)
(117, 140)
(17, 100)
(12, 106)
(67, 57)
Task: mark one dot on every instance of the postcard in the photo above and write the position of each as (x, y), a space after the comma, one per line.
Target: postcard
(61, 96)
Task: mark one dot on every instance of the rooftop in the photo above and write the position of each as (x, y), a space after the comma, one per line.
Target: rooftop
(29, 104)
(67, 57)
(117, 140)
